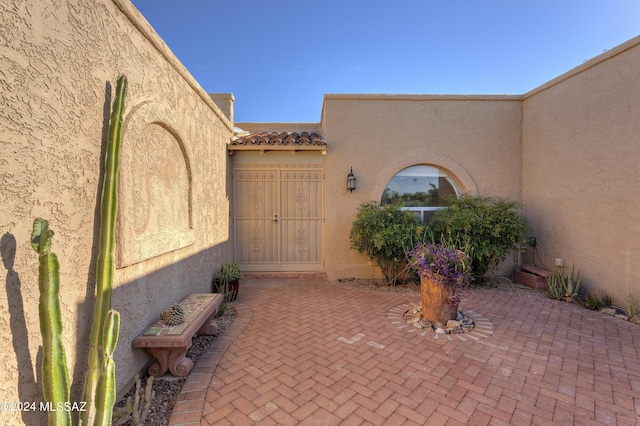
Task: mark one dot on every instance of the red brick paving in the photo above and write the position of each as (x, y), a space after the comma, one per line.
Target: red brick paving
(310, 351)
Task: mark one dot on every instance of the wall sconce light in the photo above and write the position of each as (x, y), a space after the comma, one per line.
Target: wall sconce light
(351, 181)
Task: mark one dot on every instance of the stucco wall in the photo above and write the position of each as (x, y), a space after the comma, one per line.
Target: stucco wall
(581, 134)
(58, 62)
(477, 139)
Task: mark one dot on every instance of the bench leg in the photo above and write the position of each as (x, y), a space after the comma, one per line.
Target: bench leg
(210, 327)
(173, 360)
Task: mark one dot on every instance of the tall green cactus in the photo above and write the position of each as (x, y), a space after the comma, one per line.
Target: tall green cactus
(55, 374)
(100, 381)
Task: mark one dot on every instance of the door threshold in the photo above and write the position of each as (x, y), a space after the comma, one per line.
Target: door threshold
(284, 275)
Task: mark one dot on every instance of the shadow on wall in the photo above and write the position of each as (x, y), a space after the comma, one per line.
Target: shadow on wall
(142, 298)
(139, 301)
(27, 385)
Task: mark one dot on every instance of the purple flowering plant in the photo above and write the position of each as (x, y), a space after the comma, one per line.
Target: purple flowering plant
(447, 266)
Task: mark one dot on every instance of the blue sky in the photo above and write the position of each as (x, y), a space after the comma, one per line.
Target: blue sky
(279, 57)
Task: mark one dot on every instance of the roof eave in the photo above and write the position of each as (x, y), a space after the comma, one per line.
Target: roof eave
(264, 148)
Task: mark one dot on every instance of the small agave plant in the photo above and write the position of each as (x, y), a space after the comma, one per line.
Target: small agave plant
(563, 285)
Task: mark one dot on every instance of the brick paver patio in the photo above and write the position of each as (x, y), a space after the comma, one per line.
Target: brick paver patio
(314, 352)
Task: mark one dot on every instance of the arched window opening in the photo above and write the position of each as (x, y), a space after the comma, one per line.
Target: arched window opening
(421, 190)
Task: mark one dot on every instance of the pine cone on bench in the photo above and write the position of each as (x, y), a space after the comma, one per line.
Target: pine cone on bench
(173, 316)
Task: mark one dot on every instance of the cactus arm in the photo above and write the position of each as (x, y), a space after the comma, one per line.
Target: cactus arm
(107, 382)
(105, 272)
(108, 213)
(55, 373)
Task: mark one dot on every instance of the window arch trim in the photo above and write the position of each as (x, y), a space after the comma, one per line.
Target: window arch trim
(455, 170)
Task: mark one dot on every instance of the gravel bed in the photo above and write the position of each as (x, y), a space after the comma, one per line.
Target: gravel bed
(167, 390)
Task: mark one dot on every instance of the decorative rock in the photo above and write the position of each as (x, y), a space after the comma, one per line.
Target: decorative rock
(609, 311)
(463, 324)
(425, 323)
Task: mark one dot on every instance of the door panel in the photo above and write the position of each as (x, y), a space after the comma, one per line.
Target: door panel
(279, 217)
(256, 239)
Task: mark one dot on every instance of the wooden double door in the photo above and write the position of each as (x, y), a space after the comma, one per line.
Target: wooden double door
(278, 216)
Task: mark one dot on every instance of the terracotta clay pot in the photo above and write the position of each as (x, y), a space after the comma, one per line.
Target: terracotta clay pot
(435, 302)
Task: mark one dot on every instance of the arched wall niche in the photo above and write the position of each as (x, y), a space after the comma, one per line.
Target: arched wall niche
(426, 158)
(156, 206)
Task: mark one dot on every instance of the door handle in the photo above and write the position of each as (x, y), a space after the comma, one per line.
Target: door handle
(275, 218)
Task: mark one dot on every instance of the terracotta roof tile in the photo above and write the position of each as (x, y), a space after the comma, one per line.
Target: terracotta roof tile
(283, 138)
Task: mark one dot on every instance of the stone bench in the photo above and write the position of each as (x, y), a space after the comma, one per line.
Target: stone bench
(169, 344)
(532, 276)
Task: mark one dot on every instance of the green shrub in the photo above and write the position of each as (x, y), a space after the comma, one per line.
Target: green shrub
(488, 226)
(385, 234)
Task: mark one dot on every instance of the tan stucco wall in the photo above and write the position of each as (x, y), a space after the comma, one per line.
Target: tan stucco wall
(59, 60)
(225, 102)
(567, 150)
(477, 139)
(581, 135)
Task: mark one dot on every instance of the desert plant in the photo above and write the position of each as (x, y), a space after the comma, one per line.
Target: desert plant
(489, 226)
(632, 304)
(384, 234)
(607, 299)
(55, 373)
(555, 286)
(99, 387)
(222, 308)
(228, 272)
(222, 287)
(100, 381)
(137, 406)
(594, 302)
(563, 285)
(572, 285)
